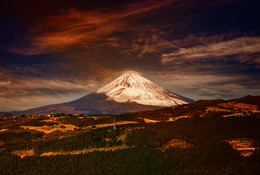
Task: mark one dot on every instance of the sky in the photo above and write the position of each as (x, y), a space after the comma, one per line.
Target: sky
(59, 50)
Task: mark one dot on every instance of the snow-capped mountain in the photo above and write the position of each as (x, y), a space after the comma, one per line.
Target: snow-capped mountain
(132, 87)
(128, 93)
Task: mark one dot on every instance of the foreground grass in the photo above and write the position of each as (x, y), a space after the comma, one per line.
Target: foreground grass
(202, 159)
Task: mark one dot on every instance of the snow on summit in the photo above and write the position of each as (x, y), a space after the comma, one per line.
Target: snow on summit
(132, 87)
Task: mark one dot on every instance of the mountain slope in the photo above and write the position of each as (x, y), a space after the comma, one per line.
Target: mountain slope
(128, 93)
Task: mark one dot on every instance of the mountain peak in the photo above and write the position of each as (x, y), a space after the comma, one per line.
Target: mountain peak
(131, 72)
(132, 87)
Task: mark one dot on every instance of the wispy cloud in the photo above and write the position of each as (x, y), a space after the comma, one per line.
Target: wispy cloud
(238, 46)
(199, 85)
(58, 33)
(30, 93)
(161, 41)
(31, 86)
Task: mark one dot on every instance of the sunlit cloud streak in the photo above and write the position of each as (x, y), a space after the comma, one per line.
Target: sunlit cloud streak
(58, 33)
(237, 46)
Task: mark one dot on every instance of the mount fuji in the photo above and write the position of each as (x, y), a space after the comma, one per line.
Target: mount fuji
(132, 87)
(128, 93)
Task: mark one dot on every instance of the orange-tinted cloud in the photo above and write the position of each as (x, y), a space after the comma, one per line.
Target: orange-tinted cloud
(58, 33)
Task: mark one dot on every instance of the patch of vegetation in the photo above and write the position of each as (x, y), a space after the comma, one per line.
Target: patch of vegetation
(196, 131)
(91, 139)
(83, 122)
(36, 122)
(128, 118)
(19, 137)
(88, 121)
(14, 127)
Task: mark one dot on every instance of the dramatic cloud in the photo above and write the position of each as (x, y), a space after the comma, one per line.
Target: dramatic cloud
(59, 33)
(199, 49)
